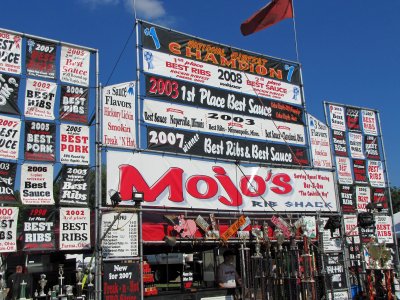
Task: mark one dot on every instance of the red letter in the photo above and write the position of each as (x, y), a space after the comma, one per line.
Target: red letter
(252, 186)
(229, 187)
(281, 180)
(212, 187)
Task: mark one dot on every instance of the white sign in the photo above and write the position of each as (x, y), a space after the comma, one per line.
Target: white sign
(8, 229)
(337, 117)
(343, 170)
(338, 295)
(356, 145)
(119, 115)
(331, 241)
(10, 53)
(74, 228)
(351, 229)
(369, 122)
(175, 182)
(74, 144)
(216, 122)
(74, 65)
(122, 239)
(320, 143)
(375, 173)
(383, 225)
(363, 197)
(40, 98)
(10, 131)
(211, 75)
(37, 184)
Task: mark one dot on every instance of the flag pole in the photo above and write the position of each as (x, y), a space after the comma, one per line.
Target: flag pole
(295, 33)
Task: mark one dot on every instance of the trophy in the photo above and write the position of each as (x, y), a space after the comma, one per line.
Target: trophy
(61, 282)
(90, 285)
(79, 277)
(23, 290)
(42, 284)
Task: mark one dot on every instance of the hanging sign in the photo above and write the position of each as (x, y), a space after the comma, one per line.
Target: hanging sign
(74, 189)
(10, 135)
(8, 172)
(363, 196)
(9, 88)
(356, 145)
(40, 58)
(74, 65)
(336, 114)
(339, 143)
(74, 228)
(335, 270)
(40, 140)
(379, 195)
(40, 99)
(343, 170)
(122, 239)
(320, 143)
(383, 225)
(351, 229)
(10, 53)
(369, 122)
(8, 229)
(371, 147)
(353, 119)
(38, 229)
(360, 171)
(121, 281)
(346, 197)
(233, 228)
(331, 241)
(119, 129)
(37, 184)
(375, 173)
(74, 144)
(74, 104)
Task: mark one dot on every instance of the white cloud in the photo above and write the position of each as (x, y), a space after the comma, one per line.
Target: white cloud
(147, 9)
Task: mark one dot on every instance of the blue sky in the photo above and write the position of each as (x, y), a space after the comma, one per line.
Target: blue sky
(348, 49)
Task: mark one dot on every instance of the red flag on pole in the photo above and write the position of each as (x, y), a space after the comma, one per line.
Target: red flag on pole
(272, 13)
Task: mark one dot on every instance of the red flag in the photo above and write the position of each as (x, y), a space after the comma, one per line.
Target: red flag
(272, 13)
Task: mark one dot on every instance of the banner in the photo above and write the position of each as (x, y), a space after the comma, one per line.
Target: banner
(339, 143)
(219, 77)
(363, 196)
(74, 102)
(74, 228)
(182, 92)
(40, 99)
(331, 241)
(347, 198)
(383, 225)
(123, 239)
(356, 145)
(375, 174)
(343, 170)
(10, 53)
(121, 281)
(8, 229)
(38, 230)
(371, 147)
(351, 229)
(360, 171)
(183, 183)
(119, 117)
(74, 189)
(37, 184)
(320, 143)
(336, 114)
(369, 122)
(353, 119)
(9, 89)
(215, 122)
(40, 139)
(380, 195)
(74, 65)
(335, 271)
(8, 171)
(74, 144)
(40, 58)
(10, 135)
(205, 145)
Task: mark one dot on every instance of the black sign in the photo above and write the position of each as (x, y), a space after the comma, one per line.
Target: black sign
(121, 281)
(334, 267)
(38, 229)
(371, 147)
(40, 141)
(188, 93)
(74, 188)
(74, 103)
(353, 119)
(9, 87)
(380, 195)
(360, 171)
(41, 58)
(204, 145)
(347, 200)
(7, 180)
(171, 42)
(339, 143)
